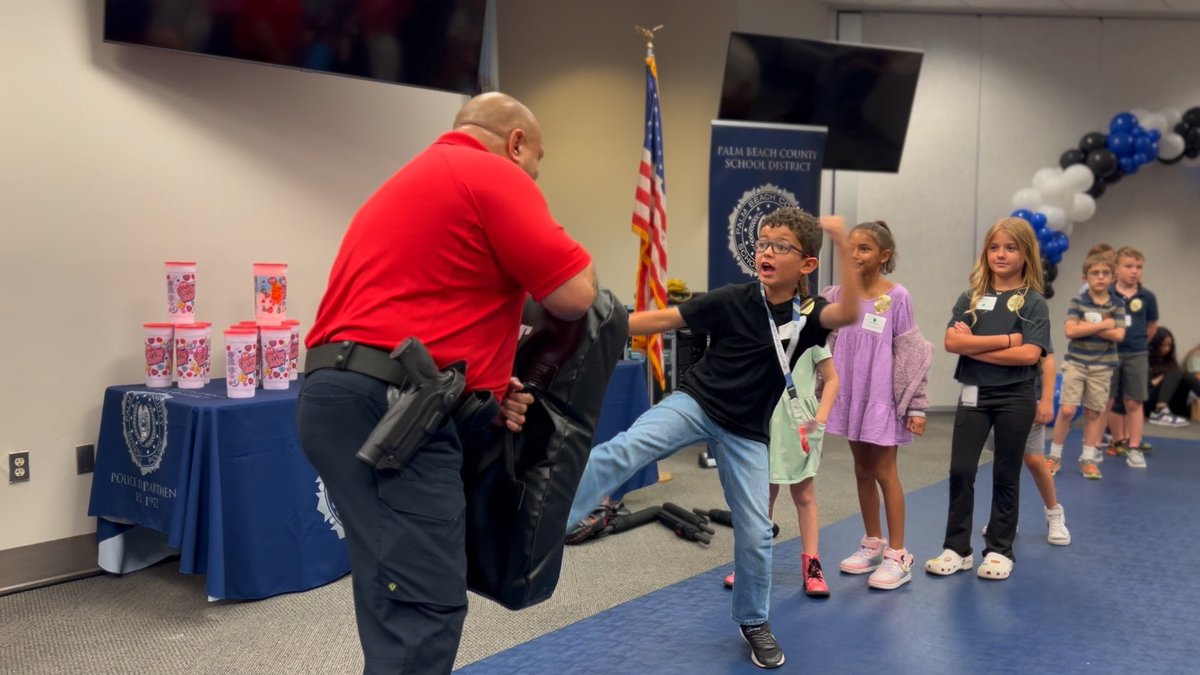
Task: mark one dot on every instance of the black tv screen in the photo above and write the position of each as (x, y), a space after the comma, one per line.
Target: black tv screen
(864, 95)
(425, 43)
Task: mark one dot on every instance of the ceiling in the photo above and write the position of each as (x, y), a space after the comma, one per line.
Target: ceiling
(1157, 9)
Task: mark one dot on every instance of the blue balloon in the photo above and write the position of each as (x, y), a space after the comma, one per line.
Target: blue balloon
(1154, 134)
(1038, 221)
(1123, 121)
(1024, 214)
(1045, 236)
(1140, 158)
(1137, 131)
(1055, 257)
(1121, 143)
(1142, 144)
(1127, 165)
(1062, 242)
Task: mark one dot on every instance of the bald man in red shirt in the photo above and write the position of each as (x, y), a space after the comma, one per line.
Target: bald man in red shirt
(446, 250)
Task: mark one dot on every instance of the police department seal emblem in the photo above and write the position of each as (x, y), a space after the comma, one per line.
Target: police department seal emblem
(744, 220)
(328, 511)
(144, 422)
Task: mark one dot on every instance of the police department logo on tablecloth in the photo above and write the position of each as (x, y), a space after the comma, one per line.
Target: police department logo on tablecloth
(144, 421)
(327, 509)
(746, 216)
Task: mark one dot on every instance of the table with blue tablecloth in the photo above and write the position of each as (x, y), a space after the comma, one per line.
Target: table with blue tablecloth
(224, 484)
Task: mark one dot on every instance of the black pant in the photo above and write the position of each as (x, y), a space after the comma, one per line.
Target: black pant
(1173, 391)
(1009, 410)
(405, 529)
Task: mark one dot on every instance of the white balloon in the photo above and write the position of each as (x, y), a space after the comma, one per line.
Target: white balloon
(1083, 208)
(1078, 177)
(1140, 114)
(1173, 116)
(1050, 183)
(1027, 198)
(1156, 121)
(1056, 219)
(1068, 228)
(1171, 146)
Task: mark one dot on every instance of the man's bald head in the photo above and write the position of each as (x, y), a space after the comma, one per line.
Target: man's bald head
(505, 126)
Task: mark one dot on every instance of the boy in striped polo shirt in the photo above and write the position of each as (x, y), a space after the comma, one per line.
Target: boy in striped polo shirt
(1095, 324)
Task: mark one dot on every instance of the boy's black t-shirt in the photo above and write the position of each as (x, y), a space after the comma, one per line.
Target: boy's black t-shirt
(1031, 320)
(738, 381)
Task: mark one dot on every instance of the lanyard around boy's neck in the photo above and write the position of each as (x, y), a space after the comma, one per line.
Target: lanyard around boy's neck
(785, 359)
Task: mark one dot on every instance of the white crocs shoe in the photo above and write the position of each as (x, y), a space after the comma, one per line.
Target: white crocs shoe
(948, 563)
(994, 566)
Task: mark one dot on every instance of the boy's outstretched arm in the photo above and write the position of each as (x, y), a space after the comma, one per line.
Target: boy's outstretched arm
(655, 321)
(845, 311)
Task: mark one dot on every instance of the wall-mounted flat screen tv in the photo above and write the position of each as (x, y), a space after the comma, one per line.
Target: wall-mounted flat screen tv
(864, 95)
(424, 43)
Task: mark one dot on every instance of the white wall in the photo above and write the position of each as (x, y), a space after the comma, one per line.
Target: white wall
(1001, 97)
(118, 158)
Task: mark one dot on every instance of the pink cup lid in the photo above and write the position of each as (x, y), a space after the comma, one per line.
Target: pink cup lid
(202, 324)
(180, 262)
(238, 330)
(246, 323)
(158, 325)
(290, 322)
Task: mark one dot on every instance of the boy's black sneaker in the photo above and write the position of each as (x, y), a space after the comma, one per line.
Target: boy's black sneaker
(764, 650)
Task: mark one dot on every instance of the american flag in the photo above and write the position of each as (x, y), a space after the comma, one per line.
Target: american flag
(650, 224)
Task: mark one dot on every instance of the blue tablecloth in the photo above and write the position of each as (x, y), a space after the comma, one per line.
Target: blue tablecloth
(624, 401)
(221, 481)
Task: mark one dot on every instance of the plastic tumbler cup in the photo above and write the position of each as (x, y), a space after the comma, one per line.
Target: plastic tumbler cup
(276, 341)
(293, 348)
(241, 362)
(181, 291)
(206, 354)
(157, 342)
(253, 325)
(191, 351)
(270, 292)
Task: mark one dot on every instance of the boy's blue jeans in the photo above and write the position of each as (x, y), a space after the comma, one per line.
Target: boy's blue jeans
(742, 465)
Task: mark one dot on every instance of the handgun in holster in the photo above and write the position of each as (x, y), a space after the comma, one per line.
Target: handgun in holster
(416, 410)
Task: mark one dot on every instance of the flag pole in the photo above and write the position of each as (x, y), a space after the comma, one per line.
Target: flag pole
(648, 35)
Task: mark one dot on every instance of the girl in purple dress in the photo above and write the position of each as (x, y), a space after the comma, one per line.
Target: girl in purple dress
(882, 362)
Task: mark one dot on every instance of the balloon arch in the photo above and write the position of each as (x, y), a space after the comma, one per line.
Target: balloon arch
(1062, 196)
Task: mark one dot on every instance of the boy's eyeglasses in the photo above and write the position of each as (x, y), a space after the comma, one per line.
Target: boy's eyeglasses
(779, 247)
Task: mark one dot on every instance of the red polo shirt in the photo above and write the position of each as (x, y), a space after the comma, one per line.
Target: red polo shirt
(447, 250)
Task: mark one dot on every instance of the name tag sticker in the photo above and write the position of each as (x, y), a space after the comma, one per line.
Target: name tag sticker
(873, 322)
(1092, 317)
(787, 331)
(969, 396)
(1128, 320)
(987, 303)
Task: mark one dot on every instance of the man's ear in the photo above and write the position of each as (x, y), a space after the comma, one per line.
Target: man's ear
(516, 143)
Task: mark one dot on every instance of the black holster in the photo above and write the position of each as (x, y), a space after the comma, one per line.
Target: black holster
(420, 407)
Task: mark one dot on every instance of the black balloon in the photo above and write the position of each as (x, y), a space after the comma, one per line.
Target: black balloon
(1102, 162)
(1192, 152)
(1192, 137)
(1192, 117)
(1047, 291)
(1114, 177)
(1182, 128)
(1072, 156)
(1093, 141)
(1098, 187)
(1049, 270)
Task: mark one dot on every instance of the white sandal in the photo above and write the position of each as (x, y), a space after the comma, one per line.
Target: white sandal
(948, 563)
(994, 566)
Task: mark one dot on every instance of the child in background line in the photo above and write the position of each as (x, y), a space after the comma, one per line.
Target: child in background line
(1101, 249)
(794, 460)
(1167, 404)
(1000, 328)
(1131, 379)
(882, 363)
(727, 398)
(1095, 324)
(1056, 518)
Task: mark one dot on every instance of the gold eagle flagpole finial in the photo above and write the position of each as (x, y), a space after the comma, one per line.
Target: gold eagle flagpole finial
(648, 33)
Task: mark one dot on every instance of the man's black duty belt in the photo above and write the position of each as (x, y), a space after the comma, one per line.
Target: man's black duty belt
(358, 358)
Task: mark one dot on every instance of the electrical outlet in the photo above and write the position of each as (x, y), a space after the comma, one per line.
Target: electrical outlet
(85, 459)
(18, 467)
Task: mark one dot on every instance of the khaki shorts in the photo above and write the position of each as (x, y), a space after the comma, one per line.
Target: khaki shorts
(1086, 385)
(1131, 380)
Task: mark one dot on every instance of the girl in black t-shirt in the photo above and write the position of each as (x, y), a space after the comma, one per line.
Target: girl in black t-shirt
(1000, 328)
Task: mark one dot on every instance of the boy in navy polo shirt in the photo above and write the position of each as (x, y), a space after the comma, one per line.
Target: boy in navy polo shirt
(1131, 379)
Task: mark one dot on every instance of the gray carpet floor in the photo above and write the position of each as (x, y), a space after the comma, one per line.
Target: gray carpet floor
(158, 620)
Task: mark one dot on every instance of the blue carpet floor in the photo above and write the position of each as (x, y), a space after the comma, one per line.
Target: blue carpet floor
(1122, 598)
